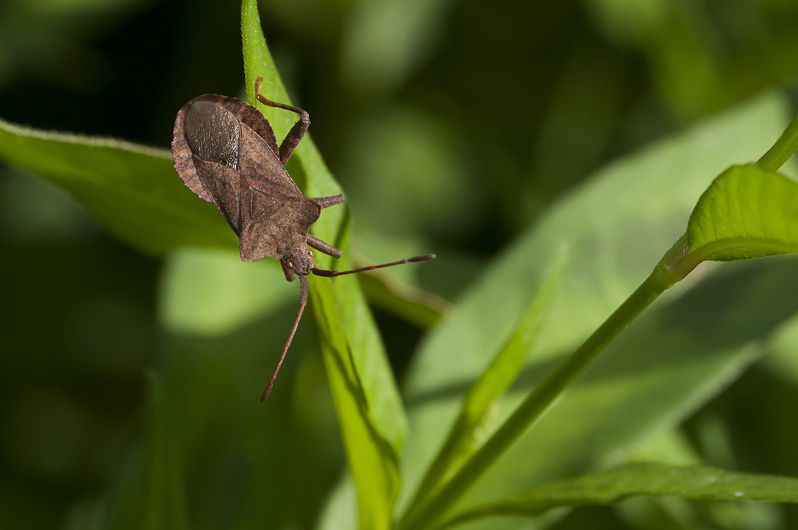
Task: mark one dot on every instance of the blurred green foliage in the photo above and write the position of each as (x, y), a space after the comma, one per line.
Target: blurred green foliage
(451, 126)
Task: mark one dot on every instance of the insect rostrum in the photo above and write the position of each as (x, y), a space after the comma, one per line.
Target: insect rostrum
(226, 152)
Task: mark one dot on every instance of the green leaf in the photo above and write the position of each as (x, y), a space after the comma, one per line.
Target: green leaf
(149, 495)
(448, 276)
(747, 212)
(223, 323)
(474, 423)
(699, 483)
(241, 461)
(366, 399)
(417, 294)
(132, 190)
(212, 293)
(415, 305)
(668, 363)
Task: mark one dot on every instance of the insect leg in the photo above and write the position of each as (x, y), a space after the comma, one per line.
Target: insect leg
(297, 131)
(324, 202)
(321, 246)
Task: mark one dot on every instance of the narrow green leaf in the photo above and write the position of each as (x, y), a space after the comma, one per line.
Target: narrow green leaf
(418, 294)
(131, 189)
(474, 422)
(538, 401)
(367, 402)
(415, 305)
(700, 483)
(149, 495)
(747, 212)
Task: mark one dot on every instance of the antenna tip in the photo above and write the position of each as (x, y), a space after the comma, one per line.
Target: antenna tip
(266, 392)
(425, 257)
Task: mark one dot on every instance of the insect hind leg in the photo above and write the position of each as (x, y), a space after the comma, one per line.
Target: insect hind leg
(296, 133)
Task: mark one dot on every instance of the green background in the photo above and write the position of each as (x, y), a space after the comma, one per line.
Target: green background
(466, 128)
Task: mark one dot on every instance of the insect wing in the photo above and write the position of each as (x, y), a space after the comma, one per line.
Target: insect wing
(262, 167)
(213, 137)
(184, 158)
(259, 154)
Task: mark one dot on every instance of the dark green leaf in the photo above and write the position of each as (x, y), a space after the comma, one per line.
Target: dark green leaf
(224, 323)
(149, 495)
(132, 190)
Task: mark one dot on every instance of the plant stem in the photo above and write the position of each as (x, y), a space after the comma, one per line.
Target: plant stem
(783, 149)
(541, 397)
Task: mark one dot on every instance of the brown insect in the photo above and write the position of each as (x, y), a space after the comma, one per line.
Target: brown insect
(226, 152)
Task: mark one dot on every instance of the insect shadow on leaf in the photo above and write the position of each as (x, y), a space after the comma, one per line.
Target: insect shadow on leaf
(225, 151)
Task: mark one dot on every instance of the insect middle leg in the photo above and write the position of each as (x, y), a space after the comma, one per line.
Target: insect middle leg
(321, 246)
(296, 133)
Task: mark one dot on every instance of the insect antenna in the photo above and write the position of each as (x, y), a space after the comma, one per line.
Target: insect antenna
(332, 274)
(303, 300)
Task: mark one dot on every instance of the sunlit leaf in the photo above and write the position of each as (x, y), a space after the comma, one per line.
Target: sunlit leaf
(369, 410)
(475, 422)
(747, 212)
(698, 483)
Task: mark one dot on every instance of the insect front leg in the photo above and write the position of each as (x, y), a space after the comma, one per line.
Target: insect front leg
(321, 246)
(324, 202)
(296, 133)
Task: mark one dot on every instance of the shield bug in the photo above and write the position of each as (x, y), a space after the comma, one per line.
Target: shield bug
(225, 151)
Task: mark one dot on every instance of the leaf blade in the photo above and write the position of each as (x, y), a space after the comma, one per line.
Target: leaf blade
(700, 483)
(131, 189)
(465, 437)
(149, 494)
(747, 212)
(367, 401)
